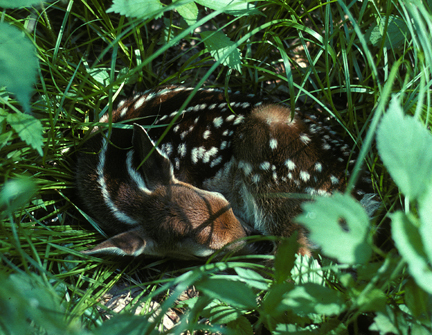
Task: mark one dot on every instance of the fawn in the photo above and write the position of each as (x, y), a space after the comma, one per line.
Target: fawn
(204, 186)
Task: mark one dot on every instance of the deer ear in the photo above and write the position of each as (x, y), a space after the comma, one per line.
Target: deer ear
(130, 243)
(157, 168)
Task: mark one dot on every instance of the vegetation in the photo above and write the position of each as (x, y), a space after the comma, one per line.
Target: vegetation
(367, 64)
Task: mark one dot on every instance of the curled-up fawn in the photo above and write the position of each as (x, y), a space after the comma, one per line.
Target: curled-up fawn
(204, 186)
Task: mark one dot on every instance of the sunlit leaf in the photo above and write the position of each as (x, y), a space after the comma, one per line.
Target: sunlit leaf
(404, 146)
(313, 298)
(233, 7)
(136, 8)
(340, 226)
(18, 63)
(218, 44)
(408, 241)
(28, 128)
(396, 35)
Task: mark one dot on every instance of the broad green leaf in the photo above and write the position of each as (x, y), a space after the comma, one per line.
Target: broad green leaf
(189, 12)
(390, 322)
(233, 7)
(136, 8)
(18, 63)
(313, 298)
(220, 314)
(233, 293)
(241, 326)
(307, 270)
(397, 32)
(271, 304)
(404, 146)
(425, 211)
(25, 301)
(16, 193)
(217, 43)
(19, 3)
(28, 128)
(252, 278)
(417, 300)
(408, 241)
(373, 301)
(285, 258)
(340, 226)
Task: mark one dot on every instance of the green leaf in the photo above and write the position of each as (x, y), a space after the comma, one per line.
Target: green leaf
(252, 278)
(373, 301)
(233, 293)
(285, 258)
(241, 326)
(25, 299)
(28, 128)
(19, 3)
(417, 300)
(425, 212)
(15, 194)
(233, 7)
(220, 314)
(340, 226)
(18, 63)
(408, 241)
(404, 146)
(189, 12)
(313, 298)
(307, 270)
(217, 43)
(390, 322)
(137, 8)
(397, 32)
(123, 324)
(271, 304)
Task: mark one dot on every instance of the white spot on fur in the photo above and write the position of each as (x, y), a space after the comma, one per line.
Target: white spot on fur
(182, 150)
(206, 134)
(245, 166)
(239, 119)
(230, 117)
(209, 153)
(265, 166)
(123, 112)
(139, 102)
(305, 138)
(223, 145)
(216, 161)
(305, 176)
(218, 121)
(334, 180)
(167, 148)
(290, 164)
(318, 167)
(197, 154)
(273, 143)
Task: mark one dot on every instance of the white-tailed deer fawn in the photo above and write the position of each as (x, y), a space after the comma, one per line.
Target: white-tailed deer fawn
(207, 184)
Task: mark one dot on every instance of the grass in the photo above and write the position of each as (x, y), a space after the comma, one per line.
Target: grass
(90, 59)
